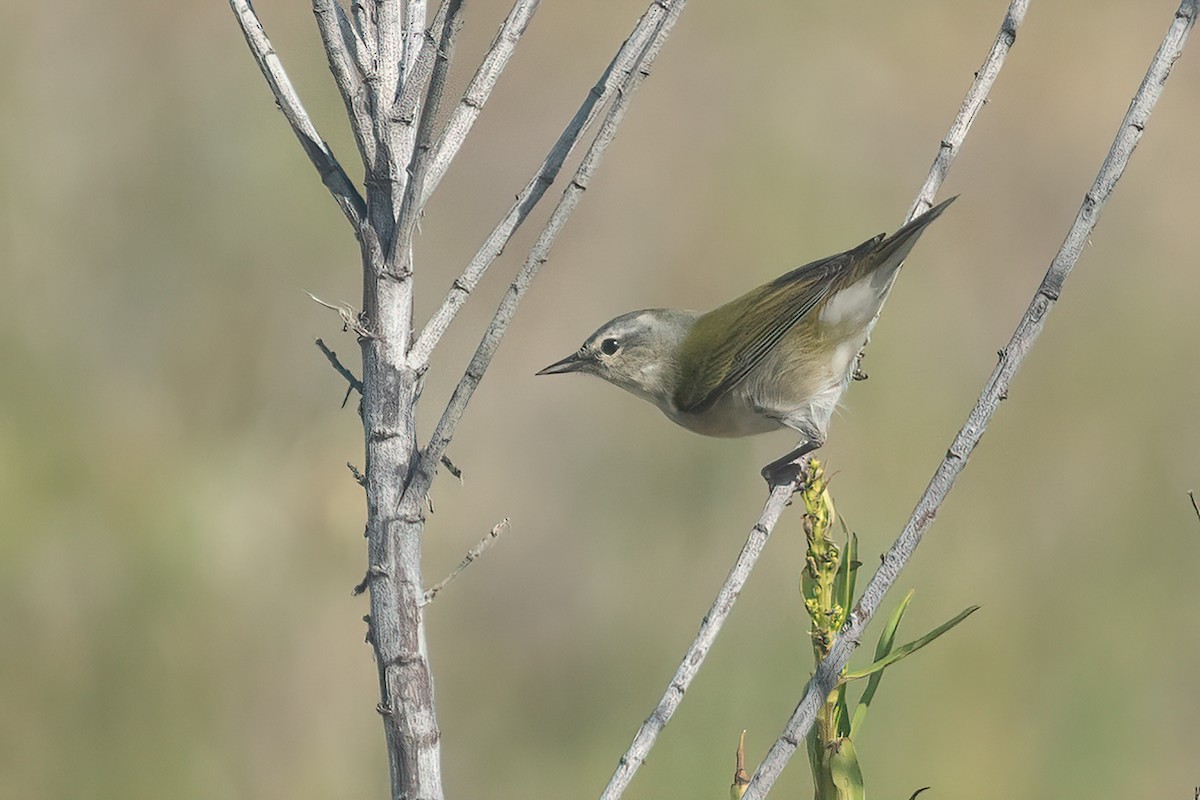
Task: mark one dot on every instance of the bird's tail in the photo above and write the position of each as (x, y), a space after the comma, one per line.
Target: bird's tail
(894, 249)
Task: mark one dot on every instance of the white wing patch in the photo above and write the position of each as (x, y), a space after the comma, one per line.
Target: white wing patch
(856, 305)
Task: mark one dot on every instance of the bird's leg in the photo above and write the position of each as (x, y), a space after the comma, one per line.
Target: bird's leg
(789, 468)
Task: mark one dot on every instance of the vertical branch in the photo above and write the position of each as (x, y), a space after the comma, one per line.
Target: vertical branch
(994, 391)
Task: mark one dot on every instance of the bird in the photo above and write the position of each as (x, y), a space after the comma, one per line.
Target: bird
(778, 357)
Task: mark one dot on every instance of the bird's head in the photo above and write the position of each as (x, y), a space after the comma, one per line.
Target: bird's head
(638, 352)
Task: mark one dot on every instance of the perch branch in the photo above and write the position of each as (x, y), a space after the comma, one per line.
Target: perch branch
(711, 625)
(319, 153)
(647, 734)
(541, 250)
(472, 554)
(533, 192)
(996, 389)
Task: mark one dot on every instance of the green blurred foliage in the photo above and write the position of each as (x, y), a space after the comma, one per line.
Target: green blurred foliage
(179, 535)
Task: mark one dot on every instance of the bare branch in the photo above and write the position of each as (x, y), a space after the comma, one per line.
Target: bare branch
(345, 63)
(477, 93)
(416, 83)
(452, 468)
(414, 31)
(647, 734)
(1196, 508)
(472, 554)
(541, 250)
(974, 100)
(319, 153)
(711, 625)
(439, 54)
(364, 29)
(533, 192)
(354, 383)
(994, 391)
(389, 51)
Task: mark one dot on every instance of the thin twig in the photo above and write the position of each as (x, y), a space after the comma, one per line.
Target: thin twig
(972, 103)
(540, 252)
(472, 554)
(464, 115)
(345, 62)
(710, 626)
(647, 734)
(452, 468)
(319, 153)
(1025, 335)
(1196, 508)
(340, 368)
(533, 192)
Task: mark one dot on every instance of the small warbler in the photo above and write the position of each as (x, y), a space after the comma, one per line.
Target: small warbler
(779, 356)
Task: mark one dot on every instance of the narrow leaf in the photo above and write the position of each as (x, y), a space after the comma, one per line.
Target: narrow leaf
(882, 648)
(909, 648)
(845, 771)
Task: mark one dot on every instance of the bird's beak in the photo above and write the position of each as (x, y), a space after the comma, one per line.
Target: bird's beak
(572, 363)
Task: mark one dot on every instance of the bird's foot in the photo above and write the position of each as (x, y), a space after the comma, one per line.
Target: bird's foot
(791, 468)
(785, 473)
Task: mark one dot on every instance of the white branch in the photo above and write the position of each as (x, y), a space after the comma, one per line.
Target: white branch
(540, 252)
(529, 197)
(319, 153)
(996, 389)
(472, 554)
(477, 93)
(344, 53)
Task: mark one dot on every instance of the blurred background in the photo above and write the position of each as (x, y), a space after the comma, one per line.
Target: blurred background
(179, 533)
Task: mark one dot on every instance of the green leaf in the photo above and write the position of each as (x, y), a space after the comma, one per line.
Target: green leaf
(841, 716)
(845, 771)
(882, 648)
(843, 582)
(909, 648)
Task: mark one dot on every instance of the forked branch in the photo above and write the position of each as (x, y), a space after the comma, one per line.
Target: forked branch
(318, 152)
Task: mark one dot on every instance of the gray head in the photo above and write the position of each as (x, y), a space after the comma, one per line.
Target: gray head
(636, 351)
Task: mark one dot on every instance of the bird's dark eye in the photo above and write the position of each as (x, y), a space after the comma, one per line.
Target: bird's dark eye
(609, 346)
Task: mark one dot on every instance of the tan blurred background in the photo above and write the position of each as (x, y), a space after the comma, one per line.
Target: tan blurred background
(179, 534)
